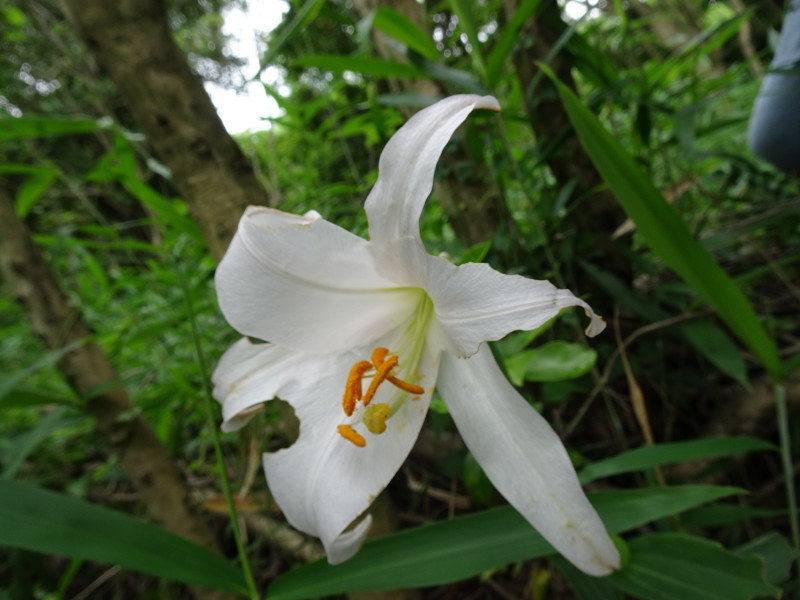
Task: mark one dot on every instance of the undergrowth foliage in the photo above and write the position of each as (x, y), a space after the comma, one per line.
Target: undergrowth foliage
(618, 168)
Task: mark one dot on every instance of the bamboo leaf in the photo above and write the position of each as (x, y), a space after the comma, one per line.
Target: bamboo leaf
(462, 547)
(676, 566)
(647, 457)
(43, 521)
(403, 30)
(667, 235)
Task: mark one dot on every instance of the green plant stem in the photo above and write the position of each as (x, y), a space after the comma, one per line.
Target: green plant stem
(212, 426)
(788, 469)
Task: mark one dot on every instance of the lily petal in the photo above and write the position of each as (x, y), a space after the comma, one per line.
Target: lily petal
(407, 164)
(525, 460)
(306, 284)
(249, 374)
(474, 303)
(324, 483)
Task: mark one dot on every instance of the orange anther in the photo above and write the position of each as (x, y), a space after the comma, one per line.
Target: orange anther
(405, 386)
(415, 398)
(381, 374)
(352, 389)
(351, 435)
(378, 356)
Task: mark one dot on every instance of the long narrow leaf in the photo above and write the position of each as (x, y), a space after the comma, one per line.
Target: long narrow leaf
(465, 546)
(669, 238)
(648, 457)
(44, 521)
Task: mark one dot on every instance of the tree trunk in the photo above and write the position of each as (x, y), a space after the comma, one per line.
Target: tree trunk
(89, 373)
(131, 41)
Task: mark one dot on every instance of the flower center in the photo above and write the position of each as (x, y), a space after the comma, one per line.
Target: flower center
(359, 404)
(379, 368)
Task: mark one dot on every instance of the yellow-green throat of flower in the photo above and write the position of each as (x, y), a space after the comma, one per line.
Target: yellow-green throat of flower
(382, 367)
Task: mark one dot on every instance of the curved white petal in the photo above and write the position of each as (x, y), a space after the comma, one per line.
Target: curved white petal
(524, 459)
(474, 303)
(324, 483)
(306, 284)
(407, 164)
(249, 374)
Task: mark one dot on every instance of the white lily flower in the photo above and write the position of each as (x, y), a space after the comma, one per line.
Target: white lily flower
(359, 334)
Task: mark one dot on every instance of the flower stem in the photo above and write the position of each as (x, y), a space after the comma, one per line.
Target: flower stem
(215, 437)
(788, 468)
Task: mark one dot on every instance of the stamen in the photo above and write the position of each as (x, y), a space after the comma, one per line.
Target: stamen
(352, 389)
(378, 356)
(381, 374)
(351, 435)
(375, 417)
(405, 386)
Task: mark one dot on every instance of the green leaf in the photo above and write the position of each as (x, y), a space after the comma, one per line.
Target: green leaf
(555, 361)
(585, 587)
(676, 566)
(403, 30)
(43, 521)
(717, 347)
(667, 235)
(8, 384)
(465, 12)
(23, 396)
(22, 445)
(647, 457)
(508, 38)
(717, 515)
(476, 253)
(467, 82)
(24, 128)
(32, 189)
(376, 67)
(304, 16)
(448, 551)
(776, 552)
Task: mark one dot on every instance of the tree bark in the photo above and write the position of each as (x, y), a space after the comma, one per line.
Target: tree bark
(131, 41)
(91, 376)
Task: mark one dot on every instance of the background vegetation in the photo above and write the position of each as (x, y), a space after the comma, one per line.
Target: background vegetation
(670, 414)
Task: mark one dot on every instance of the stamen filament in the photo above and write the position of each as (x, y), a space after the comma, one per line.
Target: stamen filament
(351, 435)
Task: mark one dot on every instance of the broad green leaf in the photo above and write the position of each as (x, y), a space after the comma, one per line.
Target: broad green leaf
(676, 566)
(647, 457)
(584, 586)
(717, 347)
(667, 235)
(43, 521)
(403, 30)
(24, 128)
(776, 552)
(376, 67)
(465, 546)
(555, 361)
(508, 38)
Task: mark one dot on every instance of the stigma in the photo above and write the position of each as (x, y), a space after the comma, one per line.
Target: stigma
(379, 368)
